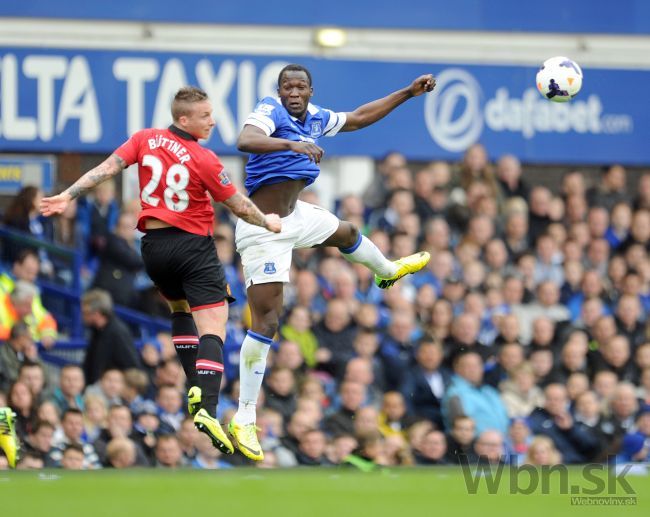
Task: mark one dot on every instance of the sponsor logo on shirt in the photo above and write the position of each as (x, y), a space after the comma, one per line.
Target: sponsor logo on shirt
(224, 179)
(265, 109)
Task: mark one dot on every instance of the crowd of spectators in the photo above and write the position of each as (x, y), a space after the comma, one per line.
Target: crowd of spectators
(524, 340)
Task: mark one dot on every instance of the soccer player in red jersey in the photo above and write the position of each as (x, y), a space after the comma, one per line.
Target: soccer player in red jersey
(176, 174)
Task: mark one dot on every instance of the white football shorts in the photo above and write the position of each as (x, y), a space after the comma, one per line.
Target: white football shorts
(266, 256)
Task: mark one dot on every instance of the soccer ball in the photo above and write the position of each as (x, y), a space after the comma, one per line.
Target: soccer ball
(559, 79)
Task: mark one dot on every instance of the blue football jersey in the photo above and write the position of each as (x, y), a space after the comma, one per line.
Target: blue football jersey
(272, 118)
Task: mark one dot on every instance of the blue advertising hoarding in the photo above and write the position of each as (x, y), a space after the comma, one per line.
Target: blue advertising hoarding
(16, 171)
(586, 16)
(91, 101)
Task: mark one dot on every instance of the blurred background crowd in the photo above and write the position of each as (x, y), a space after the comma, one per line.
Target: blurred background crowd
(524, 341)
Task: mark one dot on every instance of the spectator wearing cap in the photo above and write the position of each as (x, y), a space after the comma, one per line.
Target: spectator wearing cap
(469, 395)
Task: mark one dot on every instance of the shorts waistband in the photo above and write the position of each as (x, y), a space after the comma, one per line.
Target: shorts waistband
(157, 233)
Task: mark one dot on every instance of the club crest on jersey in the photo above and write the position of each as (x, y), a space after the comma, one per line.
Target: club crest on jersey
(224, 179)
(316, 129)
(269, 268)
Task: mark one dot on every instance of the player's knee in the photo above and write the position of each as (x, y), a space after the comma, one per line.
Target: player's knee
(352, 235)
(266, 323)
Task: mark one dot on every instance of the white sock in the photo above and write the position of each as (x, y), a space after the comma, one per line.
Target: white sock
(365, 252)
(252, 362)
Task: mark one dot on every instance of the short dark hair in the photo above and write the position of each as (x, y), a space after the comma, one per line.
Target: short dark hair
(30, 364)
(294, 68)
(42, 424)
(71, 411)
(24, 254)
(74, 447)
(20, 329)
(185, 96)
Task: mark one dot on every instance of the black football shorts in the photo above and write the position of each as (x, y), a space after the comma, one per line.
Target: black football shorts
(185, 266)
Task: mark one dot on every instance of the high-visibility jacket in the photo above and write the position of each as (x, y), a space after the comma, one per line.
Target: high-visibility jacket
(40, 313)
(40, 322)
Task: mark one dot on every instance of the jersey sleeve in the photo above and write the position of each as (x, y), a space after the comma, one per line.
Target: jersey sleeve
(265, 116)
(129, 150)
(216, 180)
(334, 123)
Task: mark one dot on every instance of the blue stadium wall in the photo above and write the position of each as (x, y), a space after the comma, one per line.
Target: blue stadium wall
(587, 16)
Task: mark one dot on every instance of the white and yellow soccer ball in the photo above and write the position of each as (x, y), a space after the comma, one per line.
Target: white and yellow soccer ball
(559, 79)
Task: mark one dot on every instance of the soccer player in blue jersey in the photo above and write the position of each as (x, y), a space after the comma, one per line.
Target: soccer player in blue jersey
(281, 136)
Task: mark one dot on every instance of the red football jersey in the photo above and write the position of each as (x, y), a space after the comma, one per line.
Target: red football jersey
(176, 173)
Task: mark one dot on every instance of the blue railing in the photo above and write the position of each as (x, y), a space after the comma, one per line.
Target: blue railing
(62, 297)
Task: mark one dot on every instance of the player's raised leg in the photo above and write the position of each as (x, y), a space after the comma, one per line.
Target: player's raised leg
(211, 323)
(266, 307)
(359, 249)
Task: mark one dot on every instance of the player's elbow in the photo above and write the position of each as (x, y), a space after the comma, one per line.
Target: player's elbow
(244, 144)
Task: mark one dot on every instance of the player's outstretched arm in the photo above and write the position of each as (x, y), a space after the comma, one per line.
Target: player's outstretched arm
(107, 169)
(253, 140)
(376, 110)
(245, 209)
